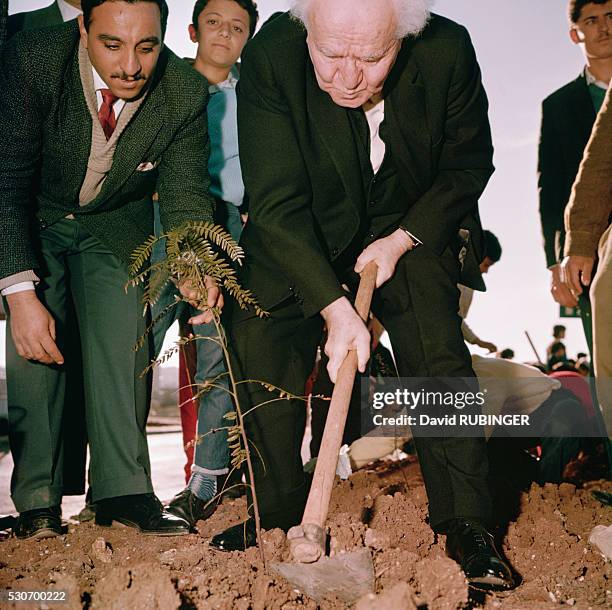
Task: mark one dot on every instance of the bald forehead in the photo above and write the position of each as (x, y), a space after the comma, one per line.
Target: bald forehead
(367, 27)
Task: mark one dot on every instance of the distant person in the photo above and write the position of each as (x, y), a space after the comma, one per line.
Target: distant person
(589, 236)
(492, 253)
(558, 335)
(567, 119)
(506, 354)
(56, 13)
(558, 355)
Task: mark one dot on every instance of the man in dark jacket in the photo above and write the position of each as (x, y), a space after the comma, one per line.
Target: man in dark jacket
(97, 116)
(361, 141)
(568, 115)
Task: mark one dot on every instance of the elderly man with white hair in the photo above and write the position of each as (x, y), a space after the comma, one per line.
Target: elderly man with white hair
(364, 137)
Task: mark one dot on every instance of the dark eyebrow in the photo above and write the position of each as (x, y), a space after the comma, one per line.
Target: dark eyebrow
(220, 15)
(108, 38)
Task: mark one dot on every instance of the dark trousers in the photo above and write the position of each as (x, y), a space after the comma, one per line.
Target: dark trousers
(418, 307)
(84, 277)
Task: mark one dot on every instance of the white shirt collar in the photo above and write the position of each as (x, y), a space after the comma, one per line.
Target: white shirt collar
(67, 10)
(591, 80)
(98, 80)
(100, 84)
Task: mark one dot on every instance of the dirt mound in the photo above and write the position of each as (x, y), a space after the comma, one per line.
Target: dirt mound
(384, 509)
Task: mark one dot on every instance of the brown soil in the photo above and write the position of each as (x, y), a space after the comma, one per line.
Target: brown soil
(383, 508)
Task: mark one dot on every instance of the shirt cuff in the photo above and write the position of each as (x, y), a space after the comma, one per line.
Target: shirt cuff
(20, 287)
(415, 240)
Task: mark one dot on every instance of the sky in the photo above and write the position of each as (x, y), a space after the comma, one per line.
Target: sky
(525, 54)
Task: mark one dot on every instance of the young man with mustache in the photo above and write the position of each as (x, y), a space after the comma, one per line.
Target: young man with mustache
(97, 116)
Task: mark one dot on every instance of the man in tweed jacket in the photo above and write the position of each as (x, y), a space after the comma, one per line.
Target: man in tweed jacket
(96, 117)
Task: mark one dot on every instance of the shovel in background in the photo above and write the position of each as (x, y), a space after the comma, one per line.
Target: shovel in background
(348, 576)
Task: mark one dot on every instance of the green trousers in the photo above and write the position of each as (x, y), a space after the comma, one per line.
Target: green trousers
(81, 275)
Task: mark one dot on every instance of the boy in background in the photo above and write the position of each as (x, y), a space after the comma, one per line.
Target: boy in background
(220, 28)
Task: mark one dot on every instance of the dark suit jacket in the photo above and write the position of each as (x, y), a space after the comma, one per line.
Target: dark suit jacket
(567, 120)
(45, 137)
(589, 211)
(34, 20)
(301, 166)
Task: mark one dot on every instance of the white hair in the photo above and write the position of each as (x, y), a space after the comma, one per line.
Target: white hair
(412, 15)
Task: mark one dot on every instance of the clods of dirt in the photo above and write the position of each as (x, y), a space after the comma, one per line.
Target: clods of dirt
(383, 509)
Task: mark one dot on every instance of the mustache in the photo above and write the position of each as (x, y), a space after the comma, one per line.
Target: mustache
(124, 76)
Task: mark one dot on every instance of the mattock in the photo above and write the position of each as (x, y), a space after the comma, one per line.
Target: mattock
(307, 540)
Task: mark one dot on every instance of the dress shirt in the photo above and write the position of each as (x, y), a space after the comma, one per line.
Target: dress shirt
(68, 11)
(224, 161)
(117, 107)
(374, 110)
(591, 80)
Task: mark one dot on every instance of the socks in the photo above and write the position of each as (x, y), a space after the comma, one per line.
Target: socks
(202, 485)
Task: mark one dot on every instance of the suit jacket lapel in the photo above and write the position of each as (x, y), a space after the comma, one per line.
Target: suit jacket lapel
(333, 125)
(76, 131)
(406, 130)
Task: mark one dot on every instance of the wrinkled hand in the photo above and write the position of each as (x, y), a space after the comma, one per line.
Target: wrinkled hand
(385, 252)
(33, 328)
(577, 269)
(560, 292)
(214, 298)
(488, 346)
(345, 331)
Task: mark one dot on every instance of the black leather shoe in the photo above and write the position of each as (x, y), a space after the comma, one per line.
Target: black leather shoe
(39, 523)
(143, 512)
(472, 547)
(189, 507)
(237, 538)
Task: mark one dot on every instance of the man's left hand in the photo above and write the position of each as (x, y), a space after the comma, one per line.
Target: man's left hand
(577, 269)
(385, 252)
(194, 297)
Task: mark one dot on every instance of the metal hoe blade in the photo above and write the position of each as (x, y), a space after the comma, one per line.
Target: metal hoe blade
(348, 576)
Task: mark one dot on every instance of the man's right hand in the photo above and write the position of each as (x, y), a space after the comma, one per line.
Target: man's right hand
(33, 328)
(560, 292)
(345, 331)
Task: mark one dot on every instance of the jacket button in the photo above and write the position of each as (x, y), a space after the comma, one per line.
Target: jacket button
(372, 202)
(335, 251)
(371, 235)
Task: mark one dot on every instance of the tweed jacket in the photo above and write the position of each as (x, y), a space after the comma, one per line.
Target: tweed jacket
(590, 208)
(568, 115)
(45, 137)
(302, 170)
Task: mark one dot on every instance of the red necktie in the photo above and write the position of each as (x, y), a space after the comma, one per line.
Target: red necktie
(106, 114)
